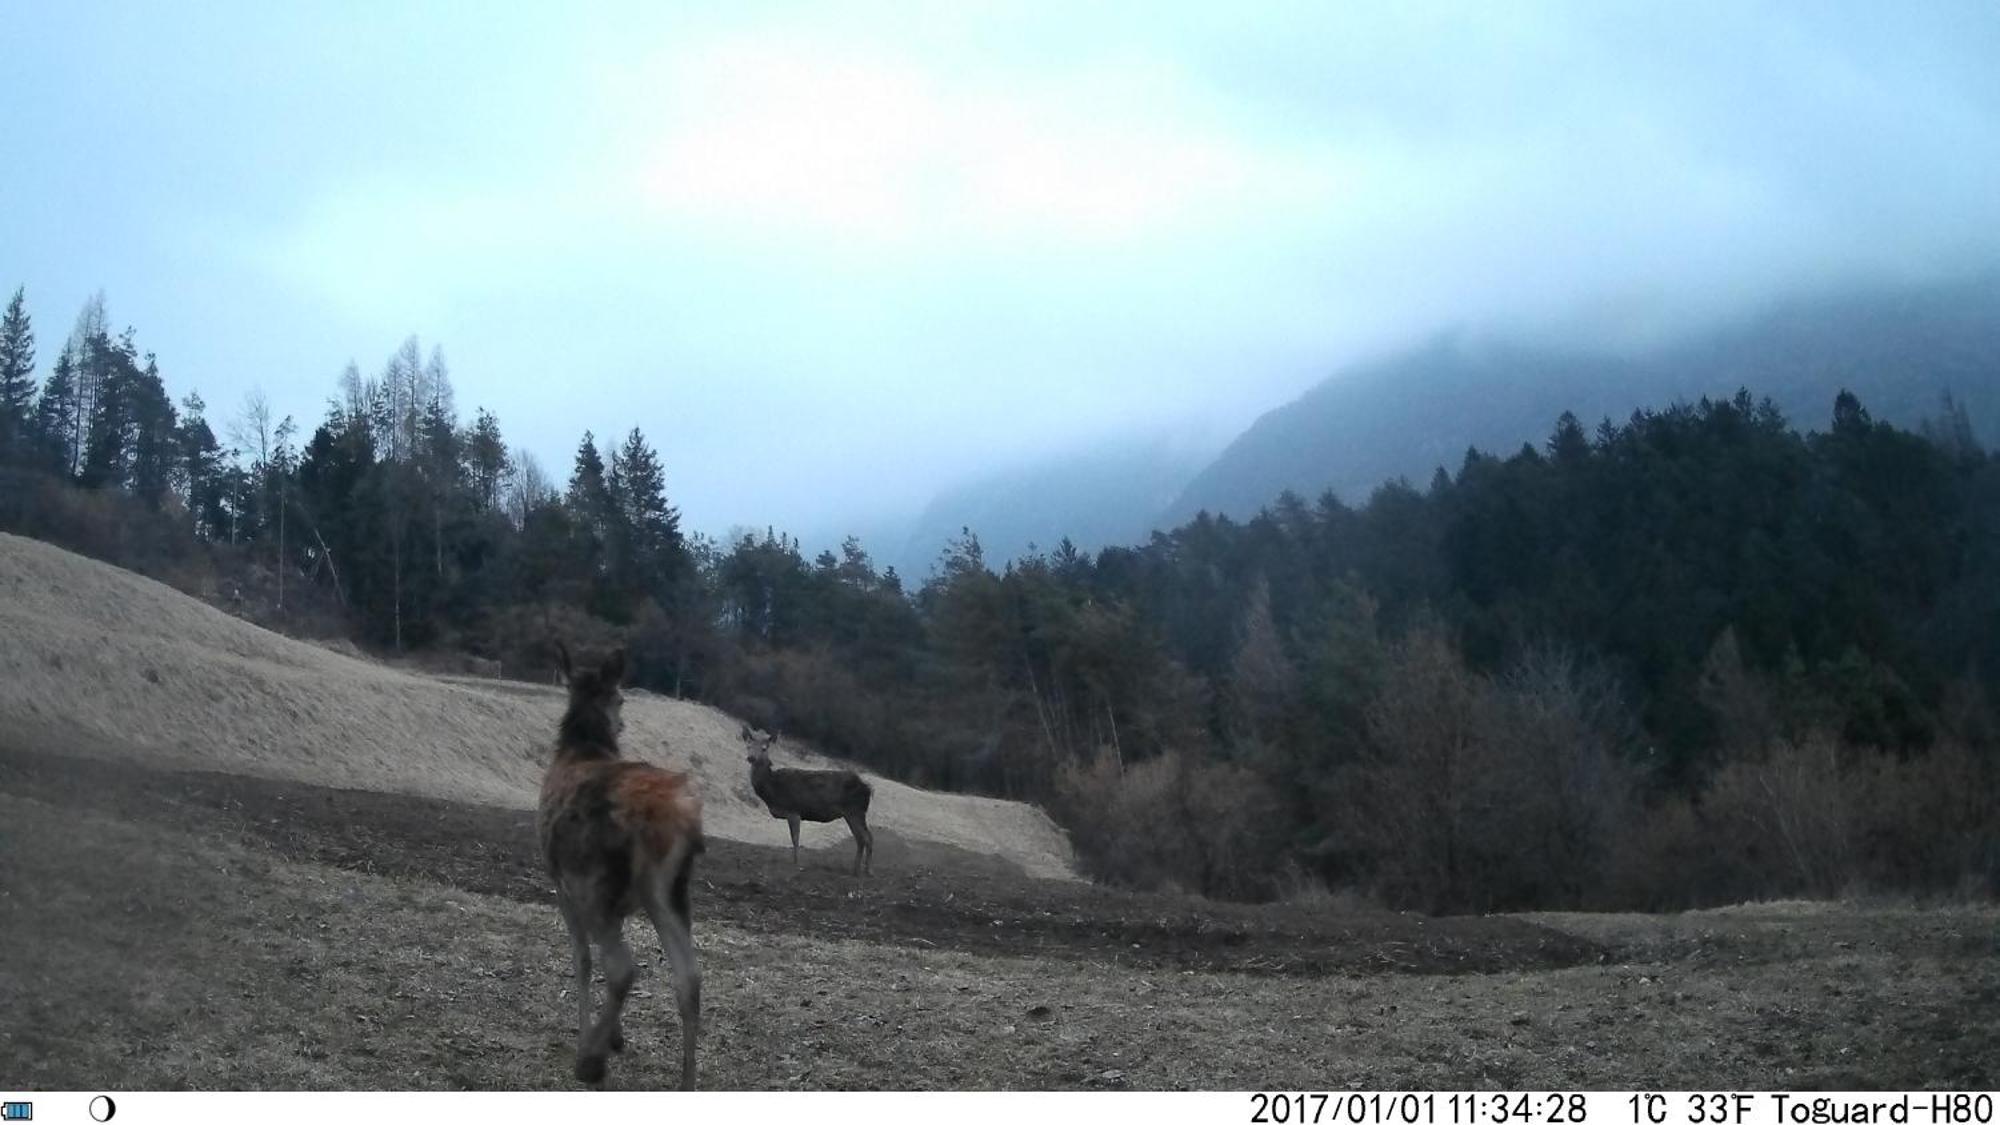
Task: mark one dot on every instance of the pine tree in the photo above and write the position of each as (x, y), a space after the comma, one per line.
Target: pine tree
(17, 380)
(486, 461)
(439, 440)
(649, 527)
(154, 445)
(589, 496)
(201, 470)
(1569, 445)
(110, 370)
(58, 427)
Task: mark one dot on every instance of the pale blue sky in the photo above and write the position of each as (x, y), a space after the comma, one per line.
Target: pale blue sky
(833, 256)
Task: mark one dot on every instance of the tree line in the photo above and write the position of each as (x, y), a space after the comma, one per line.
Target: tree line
(1691, 656)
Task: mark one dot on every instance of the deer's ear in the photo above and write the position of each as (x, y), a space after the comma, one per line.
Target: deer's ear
(563, 662)
(614, 666)
(745, 732)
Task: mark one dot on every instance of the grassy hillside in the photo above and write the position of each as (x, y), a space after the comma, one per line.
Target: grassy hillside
(106, 662)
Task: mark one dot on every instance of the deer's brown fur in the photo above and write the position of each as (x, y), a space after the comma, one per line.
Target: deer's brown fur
(619, 837)
(816, 795)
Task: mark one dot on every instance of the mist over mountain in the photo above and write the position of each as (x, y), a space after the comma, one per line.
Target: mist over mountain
(1096, 497)
(1900, 348)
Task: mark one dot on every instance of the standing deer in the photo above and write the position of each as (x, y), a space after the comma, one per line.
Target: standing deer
(619, 837)
(820, 796)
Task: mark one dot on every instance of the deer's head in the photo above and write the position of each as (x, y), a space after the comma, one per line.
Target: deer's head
(594, 692)
(758, 744)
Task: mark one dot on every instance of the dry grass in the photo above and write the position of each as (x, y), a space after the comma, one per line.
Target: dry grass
(208, 930)
(90, 650)
(158, 955)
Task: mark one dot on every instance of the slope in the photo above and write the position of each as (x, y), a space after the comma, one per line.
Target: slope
(1898, 348)
(102, 661)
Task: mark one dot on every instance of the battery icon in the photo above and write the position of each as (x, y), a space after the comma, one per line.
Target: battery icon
(17, 1111)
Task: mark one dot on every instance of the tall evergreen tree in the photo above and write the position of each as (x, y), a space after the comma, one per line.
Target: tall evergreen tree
(486, 461)
(58, 426)
(589, 496)
(155, 447)
(201, 470)
(648, 528)
(17, 380)
(110, 370)
(440, 459)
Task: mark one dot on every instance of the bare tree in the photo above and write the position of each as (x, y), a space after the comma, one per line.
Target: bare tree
(93, 328)
(250, 430)
(528, 486)
(280, 469)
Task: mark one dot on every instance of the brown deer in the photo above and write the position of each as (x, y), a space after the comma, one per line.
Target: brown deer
(820, 796)
(619, 837)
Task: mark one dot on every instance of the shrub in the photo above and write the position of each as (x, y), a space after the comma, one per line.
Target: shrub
(1175, 823)
(1479, 794)
(1812, 817)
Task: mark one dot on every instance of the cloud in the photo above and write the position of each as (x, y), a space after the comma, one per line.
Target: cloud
(865, 149)
(872, 253)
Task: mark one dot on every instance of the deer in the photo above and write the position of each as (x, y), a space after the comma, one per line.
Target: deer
(619, 837)
(820, 796)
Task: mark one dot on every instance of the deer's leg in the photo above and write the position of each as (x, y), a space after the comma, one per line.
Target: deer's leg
(665, 899)
(579, 948)
(619, 971)
(864, 842)
(793, 820)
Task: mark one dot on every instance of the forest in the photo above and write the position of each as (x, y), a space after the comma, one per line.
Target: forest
(1700, 654)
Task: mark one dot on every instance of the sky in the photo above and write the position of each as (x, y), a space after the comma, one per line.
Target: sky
(832, 258)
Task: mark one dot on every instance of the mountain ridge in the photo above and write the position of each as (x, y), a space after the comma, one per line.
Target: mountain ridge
(1898, 348)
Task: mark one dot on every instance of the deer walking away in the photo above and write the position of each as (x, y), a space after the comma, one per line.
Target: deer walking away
(619, 837)
(820, 796)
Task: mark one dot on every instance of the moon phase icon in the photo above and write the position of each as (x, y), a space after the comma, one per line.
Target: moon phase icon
(101, 1108)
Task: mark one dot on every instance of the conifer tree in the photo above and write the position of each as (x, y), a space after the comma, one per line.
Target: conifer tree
(648, 525)
(486, 461)
(58, 426)
(201, 469)
(17, 380)
(589, 495)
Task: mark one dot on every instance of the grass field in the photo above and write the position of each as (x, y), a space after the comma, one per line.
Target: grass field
(204, 930)
(98, 659)
(229, 860)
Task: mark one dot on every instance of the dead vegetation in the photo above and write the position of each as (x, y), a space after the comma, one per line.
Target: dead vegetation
(224, 869)
(129, 667)
(208, 932)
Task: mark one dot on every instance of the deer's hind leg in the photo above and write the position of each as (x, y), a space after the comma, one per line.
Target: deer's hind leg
(579, 948)
(793, 821)
(864, 842)
(664, 896)
(620, 969)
